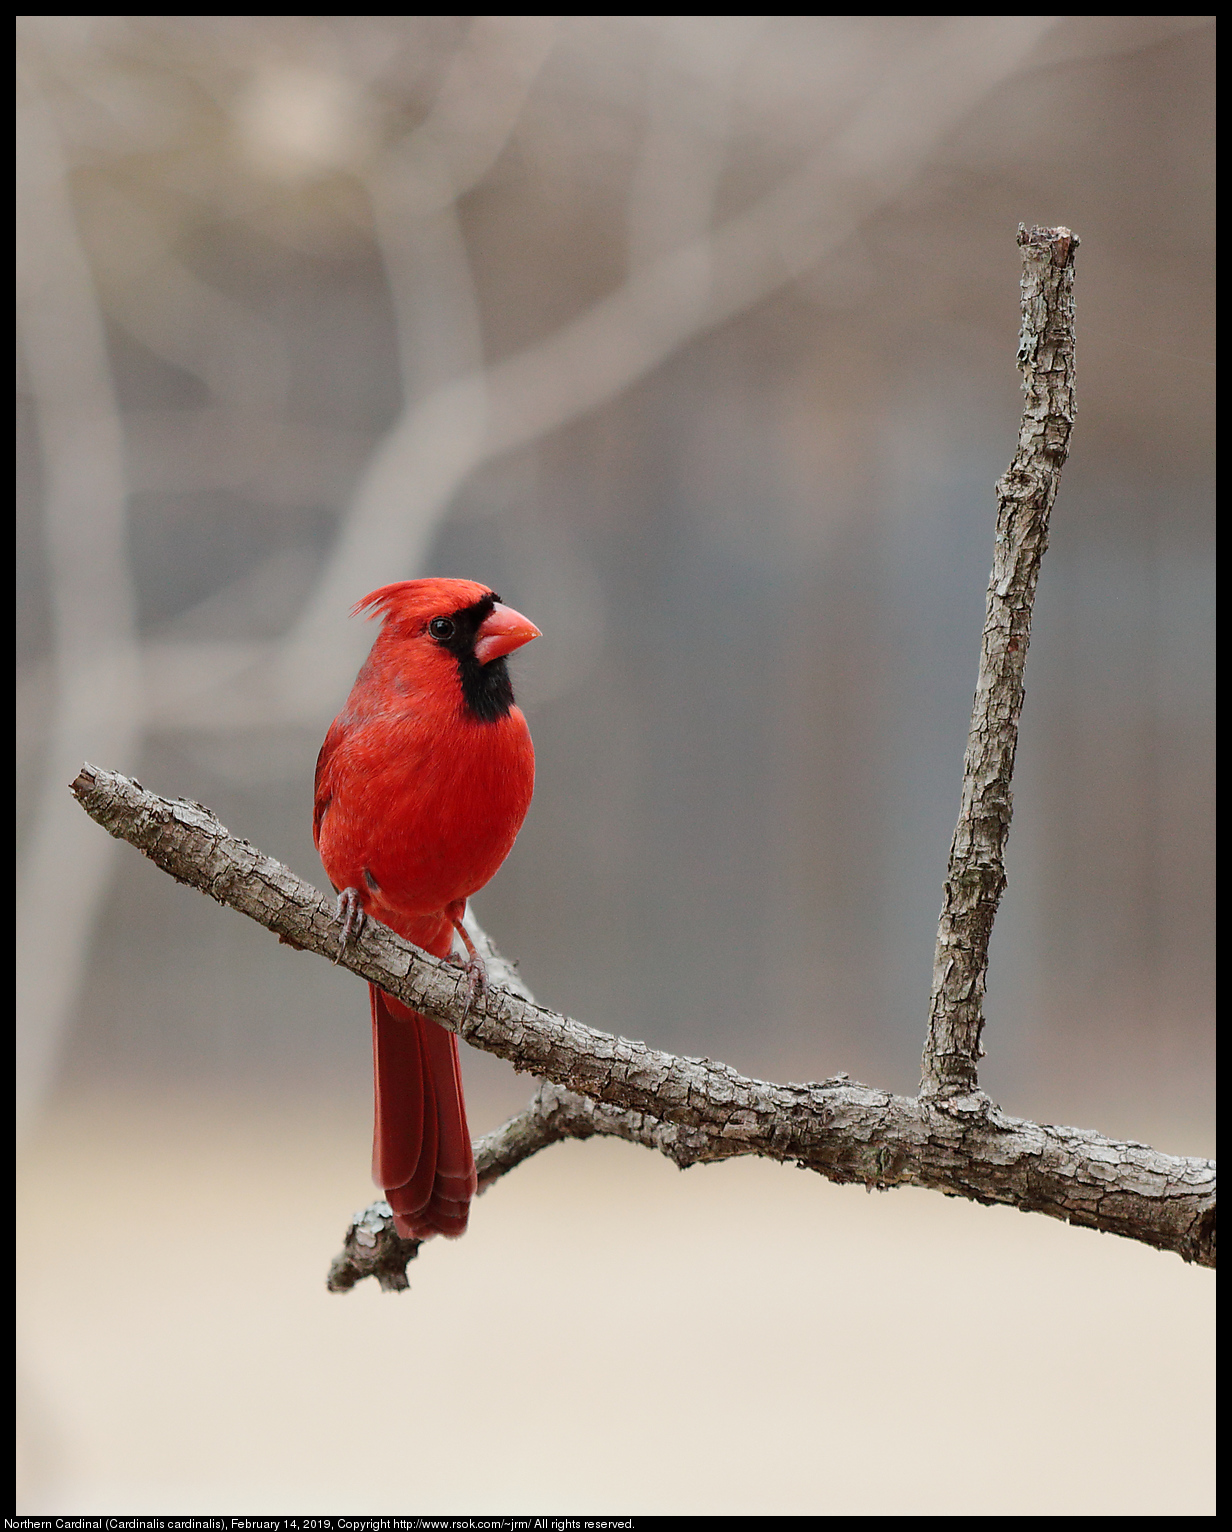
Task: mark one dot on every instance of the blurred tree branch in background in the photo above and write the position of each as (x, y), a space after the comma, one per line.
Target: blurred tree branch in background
(687, 277)
(95, 677)
(951, 1137)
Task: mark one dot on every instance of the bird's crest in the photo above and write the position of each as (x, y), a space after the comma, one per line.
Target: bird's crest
(411, 601)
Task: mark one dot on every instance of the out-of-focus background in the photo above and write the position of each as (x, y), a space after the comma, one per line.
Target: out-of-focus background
(695, 338)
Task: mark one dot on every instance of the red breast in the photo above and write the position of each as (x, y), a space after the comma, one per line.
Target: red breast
(426, 775)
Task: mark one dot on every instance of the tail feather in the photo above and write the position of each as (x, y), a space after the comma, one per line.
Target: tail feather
(398, 1068)
(407, 1132)
(421, 1152)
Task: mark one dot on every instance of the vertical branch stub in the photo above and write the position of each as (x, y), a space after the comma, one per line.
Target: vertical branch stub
(975, 878)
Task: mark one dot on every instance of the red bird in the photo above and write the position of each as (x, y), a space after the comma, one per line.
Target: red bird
(422, 785)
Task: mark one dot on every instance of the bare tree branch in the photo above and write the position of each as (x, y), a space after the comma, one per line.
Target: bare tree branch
(373, 1247)
(975, 879)
(693, 1109)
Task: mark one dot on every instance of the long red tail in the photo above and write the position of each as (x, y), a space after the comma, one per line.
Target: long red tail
(421, 1145)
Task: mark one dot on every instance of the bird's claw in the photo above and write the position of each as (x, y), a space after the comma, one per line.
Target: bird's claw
(476, 970)
(476, 981)
(351, 915)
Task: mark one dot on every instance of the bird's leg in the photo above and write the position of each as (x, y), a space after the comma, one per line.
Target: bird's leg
(351, 914)
(476, 972)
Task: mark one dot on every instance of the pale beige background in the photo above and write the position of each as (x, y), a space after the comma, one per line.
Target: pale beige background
(610, 1335)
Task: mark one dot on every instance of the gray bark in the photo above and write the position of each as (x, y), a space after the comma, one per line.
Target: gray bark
(975, 878)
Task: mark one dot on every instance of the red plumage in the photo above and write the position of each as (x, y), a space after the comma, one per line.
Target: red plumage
(422, 785)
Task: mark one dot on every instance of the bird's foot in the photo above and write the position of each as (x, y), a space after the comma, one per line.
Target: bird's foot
(351, 915)
(476, 981)
(476, 969)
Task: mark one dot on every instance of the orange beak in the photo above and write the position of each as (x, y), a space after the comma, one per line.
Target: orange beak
(501, 632)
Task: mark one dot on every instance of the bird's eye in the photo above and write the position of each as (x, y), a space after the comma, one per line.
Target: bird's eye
(441, 627)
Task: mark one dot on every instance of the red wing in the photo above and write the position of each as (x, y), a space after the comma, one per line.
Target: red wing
(323, 790)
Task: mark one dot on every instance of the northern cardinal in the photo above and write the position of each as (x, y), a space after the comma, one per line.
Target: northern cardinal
(422, 785)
